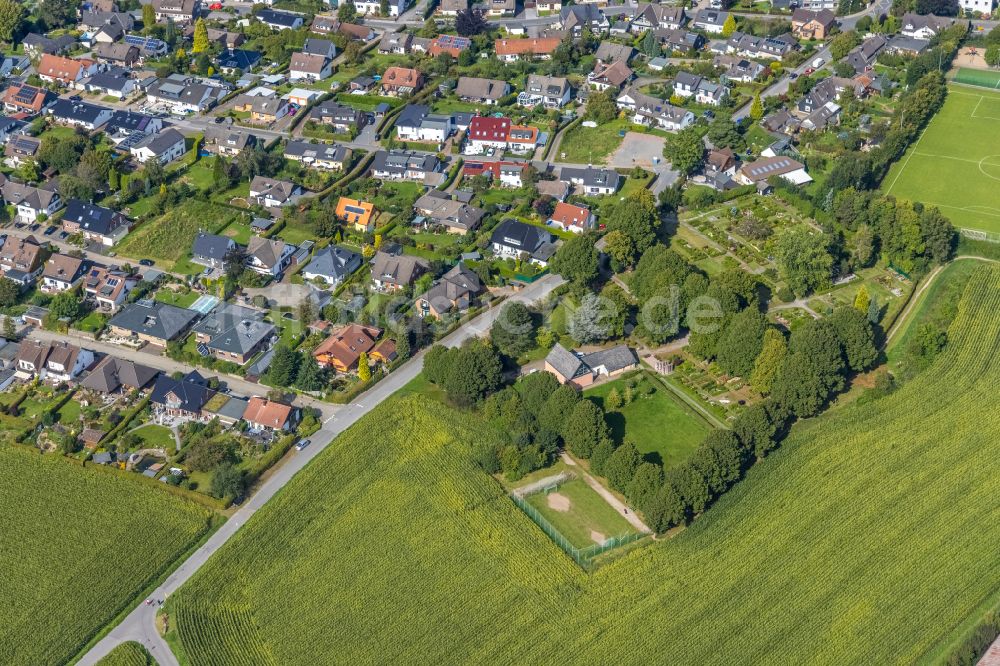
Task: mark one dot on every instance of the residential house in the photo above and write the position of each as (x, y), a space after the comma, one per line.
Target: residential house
(181, 12)
(31, 202)
(591, 181)
(762, 48)
(392, 272)
(581, 370)
(183, 94)
(456, 217)
(107, 287)
(908, 46)
(522, 139)
(21, 259)
(678, 41)
(95, 223)
(26, 99)
(609, 52)
(211, 250)
(481, 91)
(655, 16)
(451, 8)
(486, 132)
(862, 57)
(30, 360)
(823, 117)
(264, 110)
(710, 93)
(416, 123)
(309, 67)
(152, 322)
(244, 60)
(374, 7)
(65, 71)
(51, 361)
(269, 257)
(767, 167)
(404, 165)
(332, 264)
(35, 45)
(317, 155)
(273, 193)
(453, 45)
(710, 20)
(613, 75)
(115, 375)
(455, 291)
(278, 20)
(267, 415)
(120, 54)
(323, 47)
(781, 121)
(228, 141)
(342, 350)
(923, 26)
(828, 90)
(165, 147)
(398, 43)
(343, 119)
(79, 114)
(233, 333)
(359, 214)
(13, 64)
(569, 217)
(552, 92)
(509, 50)
(114, 82)
(574, 18)
(183, 398)
(149, 47)
(11, 127)
(400, 81)
(739, 70)
(514, 239)
(62, 273)
(686, 84)
(812, 24)
(544, 7)
(556, 189)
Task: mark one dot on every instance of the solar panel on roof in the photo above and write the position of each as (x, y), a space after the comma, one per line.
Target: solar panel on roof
(354, 209)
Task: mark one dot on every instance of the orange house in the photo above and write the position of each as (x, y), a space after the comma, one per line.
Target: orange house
(344, 347)
(359, 213)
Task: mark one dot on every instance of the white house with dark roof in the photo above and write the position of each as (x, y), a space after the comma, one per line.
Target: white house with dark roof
(581, 370)
(211, 250)
(269, 257)
(165, 146)
(332, 264)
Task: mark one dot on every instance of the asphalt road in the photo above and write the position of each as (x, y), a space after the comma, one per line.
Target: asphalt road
(140, 624)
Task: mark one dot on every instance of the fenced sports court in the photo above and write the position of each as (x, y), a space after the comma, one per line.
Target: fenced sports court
(978, 77)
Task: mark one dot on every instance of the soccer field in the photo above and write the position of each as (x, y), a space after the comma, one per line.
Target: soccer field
(955, 164)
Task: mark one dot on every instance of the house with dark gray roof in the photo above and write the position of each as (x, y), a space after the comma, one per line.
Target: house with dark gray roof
(126, 122)
(95, 222)
(183, 398)
(233, 333)
(404, 165)
(211, 249)
(513, 238)
(318, 155)
(269, 257)
(152, 321)
(592, 181)
(454, 292)
(115, 375)
(333, 264)
(165, 147)
(342, 118)
(392, 272)
(582, 370)
(79, 114)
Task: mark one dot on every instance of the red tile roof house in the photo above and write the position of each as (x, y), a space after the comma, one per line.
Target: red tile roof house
(263, 414)
(571, 218)
(400, 81)
(67, 71)
(487, 132)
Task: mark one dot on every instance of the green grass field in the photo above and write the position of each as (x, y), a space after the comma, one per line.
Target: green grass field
(955, 165)
(79, 545)
(156, 436)
(978, 77)
(580, 514)
(662, 428)
(869, 537)
(590, 145)
(169, 237)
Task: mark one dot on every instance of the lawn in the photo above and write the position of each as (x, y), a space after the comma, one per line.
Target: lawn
(662, 428)
(591, 145)
(168, 238)
(239, 232)
(156, 436)
(69, 413)
(175, 298)
(368, 102)
(868, 537)
(955, 164)
(580, 514)
(92, 322)
(63, 525)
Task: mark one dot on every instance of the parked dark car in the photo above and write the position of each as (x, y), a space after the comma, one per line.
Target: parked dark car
(51, 230)
(146, 262)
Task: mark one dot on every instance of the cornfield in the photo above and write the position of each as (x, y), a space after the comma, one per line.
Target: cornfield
(128, 654)
(870, 537)
(77, 546)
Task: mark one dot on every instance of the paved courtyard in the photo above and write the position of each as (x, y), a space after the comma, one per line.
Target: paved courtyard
(638, 149)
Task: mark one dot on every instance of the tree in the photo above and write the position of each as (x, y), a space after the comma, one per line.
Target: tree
(228, 481)
(685, 150)
(645, 483)
(765, 367)
(472, 21)
(742, 342)
(667, 508)
(729, 26)
(64, 304)
(804, 260)
(691, 485)
(9, 292)
(592, 321)
(637, 217)
(9, 328)
(513, 331)
(723, 133)
(94, 167)
(148, 17)
(364, 370)
(600, 456)
(535, 389)
(649, 45)
(284, 366)
(346, 12)
(756, 107)
(938, 235)
(992, 55)
(862, 300)
(863, 245)
(584, 428)
(58, 13)
(842, 43)
(199, 42)
(621, 466)
(757, 430)
(857, 340)
(577, 261)
(474, 373)
(811, 371)
(619, 247)
(383, 8)
(602, 107)
(12, 14)
(114, 180)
